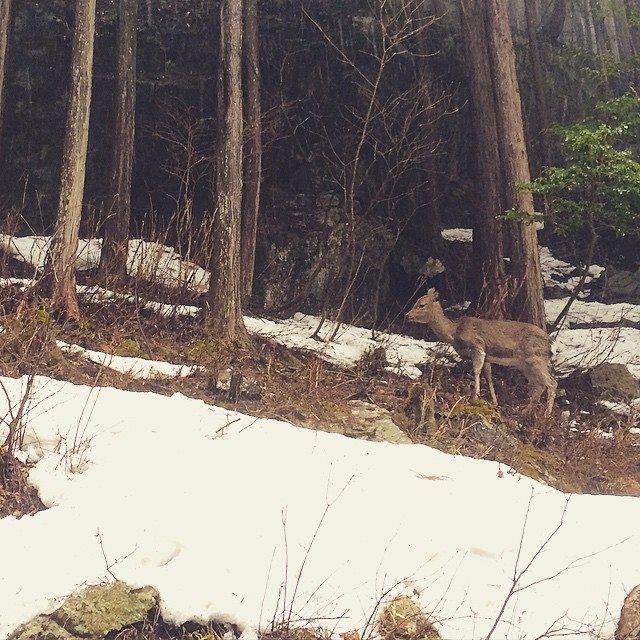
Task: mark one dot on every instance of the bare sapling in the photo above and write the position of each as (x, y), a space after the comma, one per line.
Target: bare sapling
(521, 345)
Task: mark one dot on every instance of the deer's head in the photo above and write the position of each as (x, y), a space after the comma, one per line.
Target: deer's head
(425, 308)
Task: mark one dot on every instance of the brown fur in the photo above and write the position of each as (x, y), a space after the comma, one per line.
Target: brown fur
(513, 344)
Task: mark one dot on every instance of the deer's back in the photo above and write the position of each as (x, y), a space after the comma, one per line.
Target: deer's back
(501, 339)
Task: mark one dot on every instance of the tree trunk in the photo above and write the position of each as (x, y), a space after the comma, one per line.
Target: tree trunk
(525, 278)
(252, 145)
(223, 305)
(113, 259)
(489, 272)
(59, 280)
(539, 90)
(5, 29)
(632, 10)
(430, 191)
(501, 165)
(551, 30)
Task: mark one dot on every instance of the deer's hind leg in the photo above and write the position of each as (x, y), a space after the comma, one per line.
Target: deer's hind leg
(487, 374)
(541, 380)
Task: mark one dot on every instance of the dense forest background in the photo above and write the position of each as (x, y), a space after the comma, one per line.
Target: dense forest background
(366, 130)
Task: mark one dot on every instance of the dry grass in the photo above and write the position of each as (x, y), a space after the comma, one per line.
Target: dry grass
(312, 393)
(17, 497)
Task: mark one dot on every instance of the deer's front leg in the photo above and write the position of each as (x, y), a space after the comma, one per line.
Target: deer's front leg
(477, 359)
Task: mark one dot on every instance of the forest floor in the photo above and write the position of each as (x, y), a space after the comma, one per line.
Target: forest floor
(584, 449)
(581, 448)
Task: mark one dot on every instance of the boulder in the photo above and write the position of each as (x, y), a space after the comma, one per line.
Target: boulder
(372, 422)
(629, 625)
(614, 381)
(622, 286)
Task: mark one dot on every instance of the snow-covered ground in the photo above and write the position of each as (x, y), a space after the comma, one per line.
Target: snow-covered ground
(575, 348)
(148, 260)
(237, 518)
(555, 273)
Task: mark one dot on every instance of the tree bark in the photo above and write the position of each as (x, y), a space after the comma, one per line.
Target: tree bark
(430, 192)
(525, 277)
(539, 90)
(551, 30)
(252, 145)
(632, 9)
(5, 29)
(501, 166)
(488, 256)
(223, 305)
(113, 259)
(59, 279)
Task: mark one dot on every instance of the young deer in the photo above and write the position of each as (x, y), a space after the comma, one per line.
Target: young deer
(513, 344)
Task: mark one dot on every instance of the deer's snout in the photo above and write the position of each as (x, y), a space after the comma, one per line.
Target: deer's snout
(412, 315)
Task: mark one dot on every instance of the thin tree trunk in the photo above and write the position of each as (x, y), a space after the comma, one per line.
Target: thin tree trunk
(632, 9)
(430, 193)
(525, 277)
(59, 280)
(552, 29)
(113, 259)
(223, 305)
(539, 90)
(252, 145)
(489, 272)
(5, 29)
(622, 28)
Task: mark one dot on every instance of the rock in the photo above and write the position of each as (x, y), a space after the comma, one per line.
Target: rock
(629, 625)
(614, 381)
(403, 619)
(42, 628)
(234, 385)
(622, 286)
(92, 613)
(371, 422)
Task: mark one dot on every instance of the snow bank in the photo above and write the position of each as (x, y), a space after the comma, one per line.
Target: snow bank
(220, 511)
(148, 260)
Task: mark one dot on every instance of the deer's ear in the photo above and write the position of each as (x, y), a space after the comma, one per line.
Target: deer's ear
(432, 293)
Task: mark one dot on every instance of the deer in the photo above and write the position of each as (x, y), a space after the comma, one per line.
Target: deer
(520, 345)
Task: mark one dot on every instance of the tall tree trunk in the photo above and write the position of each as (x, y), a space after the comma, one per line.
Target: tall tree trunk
(625, 45)
(525, 277)
(539, 90)
(632, 9)
(59, 279)
(501, 165)
(489, 271)
(430, 192)
(223, 305)
(552, 28)
(5, 29)
(113, 259)
(252, 145)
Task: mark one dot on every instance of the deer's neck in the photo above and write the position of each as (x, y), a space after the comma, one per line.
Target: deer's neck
(442, 326)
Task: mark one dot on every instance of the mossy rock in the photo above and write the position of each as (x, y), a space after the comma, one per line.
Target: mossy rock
(42, 628)
(477, 407)
(92, 613)
(99, 609)
(403, 619)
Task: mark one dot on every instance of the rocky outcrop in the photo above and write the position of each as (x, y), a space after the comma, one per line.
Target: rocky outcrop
(372, 422)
